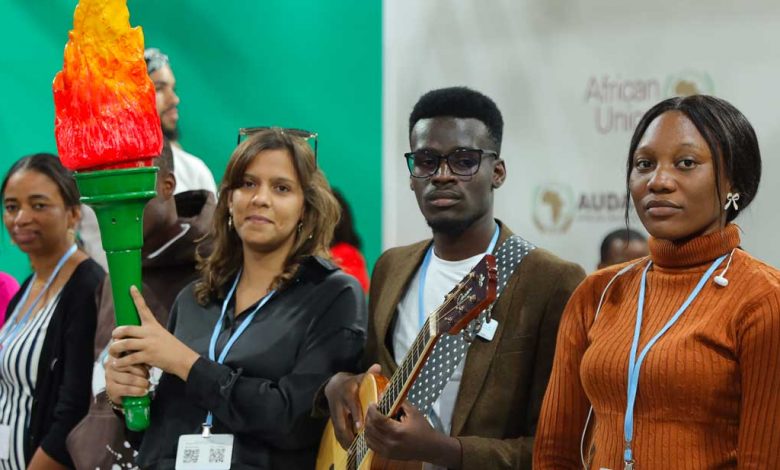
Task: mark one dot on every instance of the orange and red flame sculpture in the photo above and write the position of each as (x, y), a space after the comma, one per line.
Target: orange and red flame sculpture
(105, 101)
(108, 132)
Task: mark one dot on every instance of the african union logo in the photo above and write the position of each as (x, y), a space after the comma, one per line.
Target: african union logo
(554, 207)
(689, 82)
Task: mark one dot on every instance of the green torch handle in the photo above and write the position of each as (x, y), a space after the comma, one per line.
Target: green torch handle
(125, 270)
(118, 198)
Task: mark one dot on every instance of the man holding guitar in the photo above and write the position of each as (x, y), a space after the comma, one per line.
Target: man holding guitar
(484, 413)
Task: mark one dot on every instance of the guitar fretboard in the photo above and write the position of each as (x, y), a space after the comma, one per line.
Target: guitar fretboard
(402, 378)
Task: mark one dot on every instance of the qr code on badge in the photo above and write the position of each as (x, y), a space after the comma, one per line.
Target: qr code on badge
(191, 455)
(217, 455)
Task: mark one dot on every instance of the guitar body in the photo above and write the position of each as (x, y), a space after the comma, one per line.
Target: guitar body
(332, 456)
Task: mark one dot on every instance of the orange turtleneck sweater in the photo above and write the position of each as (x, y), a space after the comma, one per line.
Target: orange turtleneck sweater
(709, 390)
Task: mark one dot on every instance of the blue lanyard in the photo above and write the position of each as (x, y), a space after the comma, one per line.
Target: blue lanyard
(634, 364)
(14, 327)
(424, 272)
(239, 331)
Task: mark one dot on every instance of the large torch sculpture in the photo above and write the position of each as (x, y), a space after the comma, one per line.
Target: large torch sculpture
(108, 131)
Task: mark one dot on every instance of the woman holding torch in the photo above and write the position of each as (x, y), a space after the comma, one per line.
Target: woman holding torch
(270, 319)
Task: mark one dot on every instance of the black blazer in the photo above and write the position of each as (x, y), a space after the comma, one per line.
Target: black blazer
(64, 381)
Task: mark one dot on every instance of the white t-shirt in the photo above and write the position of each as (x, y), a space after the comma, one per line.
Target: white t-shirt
(441, 277)
(191, 173)
(89, 232)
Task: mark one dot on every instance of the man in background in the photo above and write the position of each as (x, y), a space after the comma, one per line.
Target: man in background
(622, 245)
(191, 172)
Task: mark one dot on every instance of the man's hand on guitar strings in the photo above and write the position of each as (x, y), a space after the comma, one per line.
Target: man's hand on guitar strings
(342, 392)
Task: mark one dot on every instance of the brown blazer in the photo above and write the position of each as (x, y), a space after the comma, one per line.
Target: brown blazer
(504, 380)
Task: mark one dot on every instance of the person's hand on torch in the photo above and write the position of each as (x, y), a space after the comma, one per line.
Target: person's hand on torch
(137, 348)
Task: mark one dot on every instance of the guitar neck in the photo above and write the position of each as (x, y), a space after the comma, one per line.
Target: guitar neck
(403, 378)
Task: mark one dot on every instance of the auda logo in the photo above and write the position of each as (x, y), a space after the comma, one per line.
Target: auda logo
(554, 207)
(689, 82)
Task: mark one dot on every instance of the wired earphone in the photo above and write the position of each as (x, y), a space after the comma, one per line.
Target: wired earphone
(719, 280)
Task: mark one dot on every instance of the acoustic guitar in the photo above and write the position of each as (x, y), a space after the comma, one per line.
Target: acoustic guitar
(461, 306)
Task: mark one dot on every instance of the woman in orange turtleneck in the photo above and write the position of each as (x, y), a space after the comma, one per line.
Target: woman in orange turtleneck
(681, 362)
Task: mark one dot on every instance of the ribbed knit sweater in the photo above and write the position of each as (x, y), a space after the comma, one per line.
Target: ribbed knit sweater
(709, 390)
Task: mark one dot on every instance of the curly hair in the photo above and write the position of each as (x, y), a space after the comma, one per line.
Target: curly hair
(460, 102)
(321, 214)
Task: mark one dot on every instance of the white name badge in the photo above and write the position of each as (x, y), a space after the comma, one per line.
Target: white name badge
(196, 452)
(488, 330)
(5, 442)
(98, 378)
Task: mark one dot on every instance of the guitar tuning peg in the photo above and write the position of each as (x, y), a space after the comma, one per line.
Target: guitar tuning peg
(471, 330)
(489, 314)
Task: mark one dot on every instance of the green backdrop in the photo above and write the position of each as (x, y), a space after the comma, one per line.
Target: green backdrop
(311, 64)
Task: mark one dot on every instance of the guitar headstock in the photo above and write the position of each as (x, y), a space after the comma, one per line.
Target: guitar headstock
(467, 299)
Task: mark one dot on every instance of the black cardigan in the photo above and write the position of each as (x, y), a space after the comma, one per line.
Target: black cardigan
(62, 391)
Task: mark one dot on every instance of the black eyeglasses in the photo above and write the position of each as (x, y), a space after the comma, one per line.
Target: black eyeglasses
(245, 132)
(462, 162)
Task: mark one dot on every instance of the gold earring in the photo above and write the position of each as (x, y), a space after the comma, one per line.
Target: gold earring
(71, 236)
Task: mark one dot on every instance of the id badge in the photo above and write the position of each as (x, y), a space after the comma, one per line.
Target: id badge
(196, 452)
(98, 378)
(5, 442)
(488, 330)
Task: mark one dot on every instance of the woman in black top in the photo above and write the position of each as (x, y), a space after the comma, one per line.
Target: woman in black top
(46, 342)
(286, 316)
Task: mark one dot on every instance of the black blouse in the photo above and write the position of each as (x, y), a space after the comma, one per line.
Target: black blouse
(263, 392)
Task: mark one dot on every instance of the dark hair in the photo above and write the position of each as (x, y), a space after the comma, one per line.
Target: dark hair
(729, 136)
(345, 230)
(49, 165)
(624, 234)
(460, 102)
(320, 215)
(155, 60)
(165, 160)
